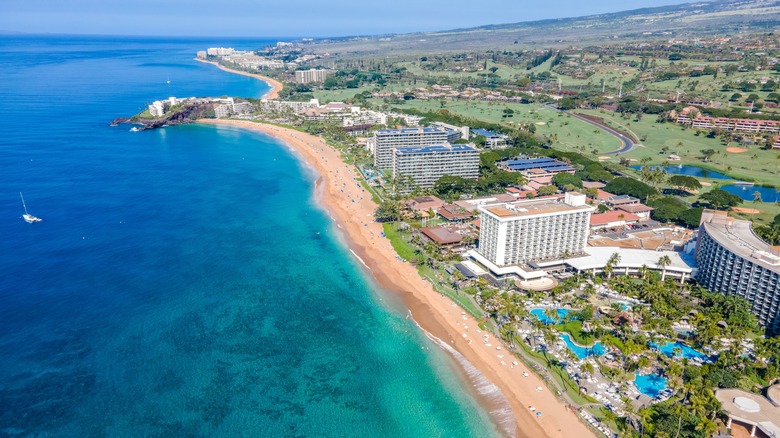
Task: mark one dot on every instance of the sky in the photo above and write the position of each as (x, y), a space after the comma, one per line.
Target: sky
(285, 18)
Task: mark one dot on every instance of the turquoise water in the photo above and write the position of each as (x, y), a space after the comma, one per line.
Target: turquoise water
(682, 169)
(582, 352)
(687, 352)
(650, 384)
(539, 314)
(768, 194)
(183, 283)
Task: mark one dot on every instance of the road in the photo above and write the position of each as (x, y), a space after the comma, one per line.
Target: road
(627, 142)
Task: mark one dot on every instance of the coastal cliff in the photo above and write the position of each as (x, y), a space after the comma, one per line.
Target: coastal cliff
(187, 114)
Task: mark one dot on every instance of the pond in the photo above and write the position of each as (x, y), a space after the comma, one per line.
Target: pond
(539, 314)
(746, 192)
(582, 352)
(650, 384)
(681, 169)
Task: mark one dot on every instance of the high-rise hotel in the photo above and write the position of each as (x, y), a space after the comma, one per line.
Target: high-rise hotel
(426, 164)
(733, 260)
(385, 140)
(534, 230)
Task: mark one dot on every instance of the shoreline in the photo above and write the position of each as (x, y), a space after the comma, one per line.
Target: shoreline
(352, 210)
(276, 86)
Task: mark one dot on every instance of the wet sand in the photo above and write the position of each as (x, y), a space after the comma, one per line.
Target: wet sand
(351, 208)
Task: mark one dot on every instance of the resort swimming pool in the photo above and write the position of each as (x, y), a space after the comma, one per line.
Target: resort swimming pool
(582, 352)
(539, 314)
(650, 384)
(687, 352)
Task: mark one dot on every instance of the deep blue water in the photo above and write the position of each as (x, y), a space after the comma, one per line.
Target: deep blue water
(682, 169)
(182, 282)
(768, 194)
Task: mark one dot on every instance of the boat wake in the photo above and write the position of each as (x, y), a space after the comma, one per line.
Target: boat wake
(499, 407)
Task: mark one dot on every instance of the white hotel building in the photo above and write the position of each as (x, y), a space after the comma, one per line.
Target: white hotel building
(426, 164)
(384, 141)
(534, 230)
(312, 75)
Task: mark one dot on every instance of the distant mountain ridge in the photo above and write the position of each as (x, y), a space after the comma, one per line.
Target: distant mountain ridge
(702, 18)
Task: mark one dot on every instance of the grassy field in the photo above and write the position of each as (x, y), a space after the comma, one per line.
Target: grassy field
(565, 131)
(347, 93)
(756, 164)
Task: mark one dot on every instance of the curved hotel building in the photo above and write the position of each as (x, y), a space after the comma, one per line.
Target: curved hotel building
(733, 260)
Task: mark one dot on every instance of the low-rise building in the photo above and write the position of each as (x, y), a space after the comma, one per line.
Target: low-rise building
(617, 201)
(640, 210)
(612, 219)
(542, 166)
(493, 140)
(632, 261)
(754, 410)
(690, 116)
(448, 237)
(423, 204)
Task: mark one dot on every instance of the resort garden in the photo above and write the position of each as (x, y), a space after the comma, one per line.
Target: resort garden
(641, 354)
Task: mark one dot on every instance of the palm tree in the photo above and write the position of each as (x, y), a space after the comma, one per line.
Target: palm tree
(589, 289)
(663, 262)
(552, 315)
(614, 259)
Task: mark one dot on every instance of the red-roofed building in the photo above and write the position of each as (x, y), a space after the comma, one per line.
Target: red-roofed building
(603, 196)
(593, 185)
(611, 219)
(640, 210)
(519, 193)
(455, 213)
(424, 203)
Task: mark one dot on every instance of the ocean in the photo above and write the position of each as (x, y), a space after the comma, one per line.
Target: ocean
(183, 281)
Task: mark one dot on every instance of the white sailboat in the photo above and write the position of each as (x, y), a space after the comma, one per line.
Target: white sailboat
(27, 216)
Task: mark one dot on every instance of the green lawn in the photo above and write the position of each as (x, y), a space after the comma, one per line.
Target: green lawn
(399, 240)
(756, 164)
(566, 132)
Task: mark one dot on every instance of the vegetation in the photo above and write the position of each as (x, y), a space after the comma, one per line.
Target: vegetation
(629, 186)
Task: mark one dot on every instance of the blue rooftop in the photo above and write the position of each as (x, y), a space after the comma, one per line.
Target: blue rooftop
(538, 163)
(485, 133)
(435, 148)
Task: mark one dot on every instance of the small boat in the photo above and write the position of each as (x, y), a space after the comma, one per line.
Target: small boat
(27, 216)
(134, 129)
(744, 183)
